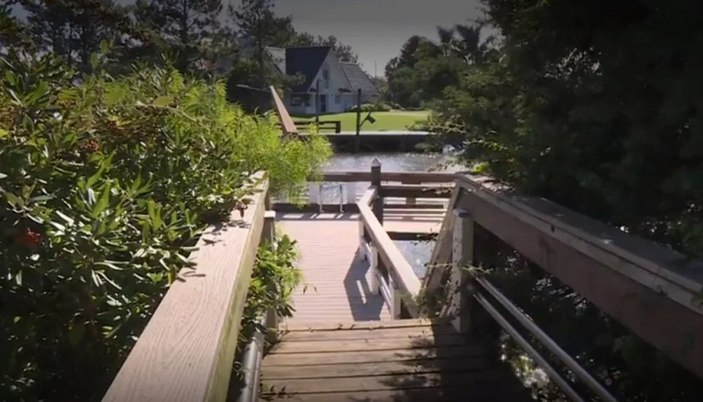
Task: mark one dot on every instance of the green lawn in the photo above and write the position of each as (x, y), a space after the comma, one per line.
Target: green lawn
(385, 121)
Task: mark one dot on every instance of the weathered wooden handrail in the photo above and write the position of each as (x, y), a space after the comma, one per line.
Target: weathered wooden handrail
(287, 124)
(644, 286)
(391, 274)
(187, 349)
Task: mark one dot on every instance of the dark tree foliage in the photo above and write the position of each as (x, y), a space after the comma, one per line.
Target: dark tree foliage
(597, 106)
(75, 29)
(189, 30)
(422, 71)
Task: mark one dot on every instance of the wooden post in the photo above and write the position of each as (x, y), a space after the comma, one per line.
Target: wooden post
(376, 181)
(357, 142)
(396, 301)
(373, 266)
(462, 258)
(269, 235)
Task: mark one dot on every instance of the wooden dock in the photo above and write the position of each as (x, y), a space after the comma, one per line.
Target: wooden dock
(402, 360)
(336, 280)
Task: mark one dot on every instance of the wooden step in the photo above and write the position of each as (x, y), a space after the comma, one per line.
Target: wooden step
(399, 360)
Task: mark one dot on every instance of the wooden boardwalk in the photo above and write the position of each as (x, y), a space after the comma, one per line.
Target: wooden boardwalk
(404, 360)
(336, 280)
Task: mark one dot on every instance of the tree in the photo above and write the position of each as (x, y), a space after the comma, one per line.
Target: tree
(12, 32)
(74, 29)
(256, 21)
(594, 105)
(188, 29)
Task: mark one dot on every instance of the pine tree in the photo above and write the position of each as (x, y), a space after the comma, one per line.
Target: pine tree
(187, 29)
(74, 29)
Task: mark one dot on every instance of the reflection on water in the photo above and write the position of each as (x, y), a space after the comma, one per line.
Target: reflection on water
(418, 254)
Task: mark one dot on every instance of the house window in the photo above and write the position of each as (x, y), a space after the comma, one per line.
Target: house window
(326, 77)
(337, 99)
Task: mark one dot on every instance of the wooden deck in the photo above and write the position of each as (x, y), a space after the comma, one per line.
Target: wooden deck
(336, 280)
(404, 360)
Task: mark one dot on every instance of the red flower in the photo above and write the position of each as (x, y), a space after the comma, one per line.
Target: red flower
(28, 238)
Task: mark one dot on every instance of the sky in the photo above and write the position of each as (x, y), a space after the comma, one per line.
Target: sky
(376, 29)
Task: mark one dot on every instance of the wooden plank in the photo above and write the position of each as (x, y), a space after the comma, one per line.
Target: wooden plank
(630, 255)
(358, 325)
(642, 309)
(483, 378)
(416, 191)
(331, 267)
(418, 366)
(365, 176)
(287, 124)
(444, 394)
(353, 357)
(393, 259)
(385, 333)
(187, 350)
(438, 267)
(345, 345)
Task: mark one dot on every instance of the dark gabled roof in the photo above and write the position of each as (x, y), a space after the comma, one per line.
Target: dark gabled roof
(358, 79)
(307, 62)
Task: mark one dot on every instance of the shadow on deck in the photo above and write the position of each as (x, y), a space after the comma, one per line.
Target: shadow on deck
(336, 280)
(406, 360)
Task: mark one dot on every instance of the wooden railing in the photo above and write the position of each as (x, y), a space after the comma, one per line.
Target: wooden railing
(391, 274)
(187, 349)
(334, 125)
(652, 290)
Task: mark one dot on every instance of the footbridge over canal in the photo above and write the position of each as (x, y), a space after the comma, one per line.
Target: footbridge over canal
(362, 332)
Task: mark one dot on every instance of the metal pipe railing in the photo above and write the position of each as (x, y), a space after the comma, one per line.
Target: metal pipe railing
(541, 361)
(251, 364)
(545, 340)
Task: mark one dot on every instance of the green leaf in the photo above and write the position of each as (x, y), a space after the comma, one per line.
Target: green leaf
(163, 101)
(103, 203)
(4, 133)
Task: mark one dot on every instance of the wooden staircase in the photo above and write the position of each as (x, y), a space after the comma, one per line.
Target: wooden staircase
(401, 360)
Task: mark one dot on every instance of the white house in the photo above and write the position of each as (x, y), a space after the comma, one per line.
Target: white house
(335, 83)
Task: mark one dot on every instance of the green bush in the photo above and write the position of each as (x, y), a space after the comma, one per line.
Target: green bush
(372, 107)
(104, 187)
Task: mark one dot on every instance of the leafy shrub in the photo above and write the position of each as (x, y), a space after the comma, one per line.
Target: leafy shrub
(104, 187)
(372, 107)
(273, 281)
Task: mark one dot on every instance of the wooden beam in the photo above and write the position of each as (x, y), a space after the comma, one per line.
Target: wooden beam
(393, 259)
(287, 124)
(438, 266)
(401, 177)
(186, 351)
(416, 191)
(597, 262)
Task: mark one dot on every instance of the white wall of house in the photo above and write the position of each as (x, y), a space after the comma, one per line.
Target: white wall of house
(331, 79)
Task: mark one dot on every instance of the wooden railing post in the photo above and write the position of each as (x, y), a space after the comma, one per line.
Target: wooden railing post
(373, 266)
(376, 181)
(269, 236)
(462, 258)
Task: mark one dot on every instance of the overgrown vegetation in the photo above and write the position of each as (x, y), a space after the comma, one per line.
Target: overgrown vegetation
(105, 184)
(592, 105)
(273, 281)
